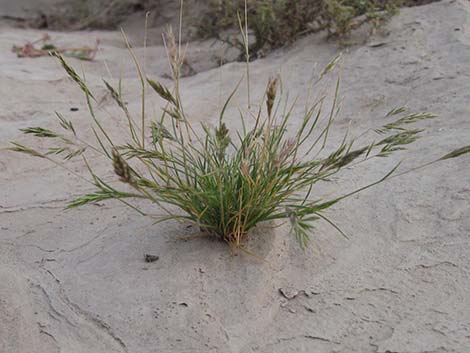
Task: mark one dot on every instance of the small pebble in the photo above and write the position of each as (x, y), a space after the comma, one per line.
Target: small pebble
(151, 258)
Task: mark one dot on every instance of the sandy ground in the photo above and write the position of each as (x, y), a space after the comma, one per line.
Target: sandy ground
(76, 281)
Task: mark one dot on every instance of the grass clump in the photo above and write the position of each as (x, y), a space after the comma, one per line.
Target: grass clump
(226, 182)
(275, 23)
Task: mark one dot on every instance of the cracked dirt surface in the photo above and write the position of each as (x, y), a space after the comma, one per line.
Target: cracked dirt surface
(77, 281)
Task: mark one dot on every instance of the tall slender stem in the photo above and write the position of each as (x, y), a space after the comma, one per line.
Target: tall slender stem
(247, 54)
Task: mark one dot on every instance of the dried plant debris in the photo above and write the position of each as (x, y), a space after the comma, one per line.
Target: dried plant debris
(44, 46)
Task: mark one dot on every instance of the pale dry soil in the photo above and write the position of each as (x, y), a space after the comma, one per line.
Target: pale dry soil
(76, 281)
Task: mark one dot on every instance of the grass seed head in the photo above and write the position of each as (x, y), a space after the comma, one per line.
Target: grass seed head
(271, 94)
(122, 169)
(456, 153)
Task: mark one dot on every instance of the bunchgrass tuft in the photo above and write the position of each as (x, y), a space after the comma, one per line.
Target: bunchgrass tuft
(275, 23)
(227, 182)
